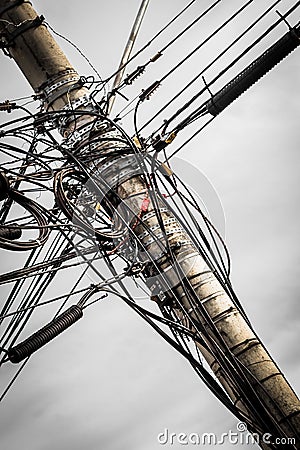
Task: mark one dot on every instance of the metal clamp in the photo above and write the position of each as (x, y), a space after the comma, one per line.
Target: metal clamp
(78, 135)
(52, 80)
(81, 101)
(12, 5)
(125, 168)
(8, 40)
(155, 227)
(153, 214)
(52, 87)
(162, 234)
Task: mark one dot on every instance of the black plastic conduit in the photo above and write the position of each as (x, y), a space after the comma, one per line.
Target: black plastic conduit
(256, 70)
(44, 335)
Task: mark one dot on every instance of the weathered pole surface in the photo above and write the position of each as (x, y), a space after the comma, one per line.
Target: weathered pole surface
(50, 73)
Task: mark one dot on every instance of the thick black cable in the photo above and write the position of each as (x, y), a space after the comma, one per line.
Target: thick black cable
(207, 67)
(229, 66)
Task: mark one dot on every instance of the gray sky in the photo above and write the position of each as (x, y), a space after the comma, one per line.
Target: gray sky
(110, 382)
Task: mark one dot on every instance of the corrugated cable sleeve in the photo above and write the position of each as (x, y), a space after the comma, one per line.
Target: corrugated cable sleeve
(44, 335)
(256, 70)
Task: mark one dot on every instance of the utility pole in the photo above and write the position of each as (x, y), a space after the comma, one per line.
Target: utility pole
(210, 310)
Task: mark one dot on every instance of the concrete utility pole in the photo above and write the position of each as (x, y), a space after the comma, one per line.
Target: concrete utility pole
(50, 74)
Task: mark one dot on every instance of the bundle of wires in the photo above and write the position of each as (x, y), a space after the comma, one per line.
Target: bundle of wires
(80, 220)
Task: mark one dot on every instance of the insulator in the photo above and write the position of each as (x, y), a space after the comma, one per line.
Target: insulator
(134, 75)
(12, 232)
(145, 95)
(4, 186)
(45, 334)
(256, 70)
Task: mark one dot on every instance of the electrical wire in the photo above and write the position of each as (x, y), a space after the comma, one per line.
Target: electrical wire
(122, 238)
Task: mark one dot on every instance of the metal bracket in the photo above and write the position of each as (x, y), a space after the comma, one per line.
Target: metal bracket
(81, 101)
(161, 294)
(159, 236)
(156, 227)
(49, 91)
(8, 41)
(12, 5)
(79, 134)
(52, 87)
(65, 90)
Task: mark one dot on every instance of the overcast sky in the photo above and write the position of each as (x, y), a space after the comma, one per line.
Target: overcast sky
(110, 382)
